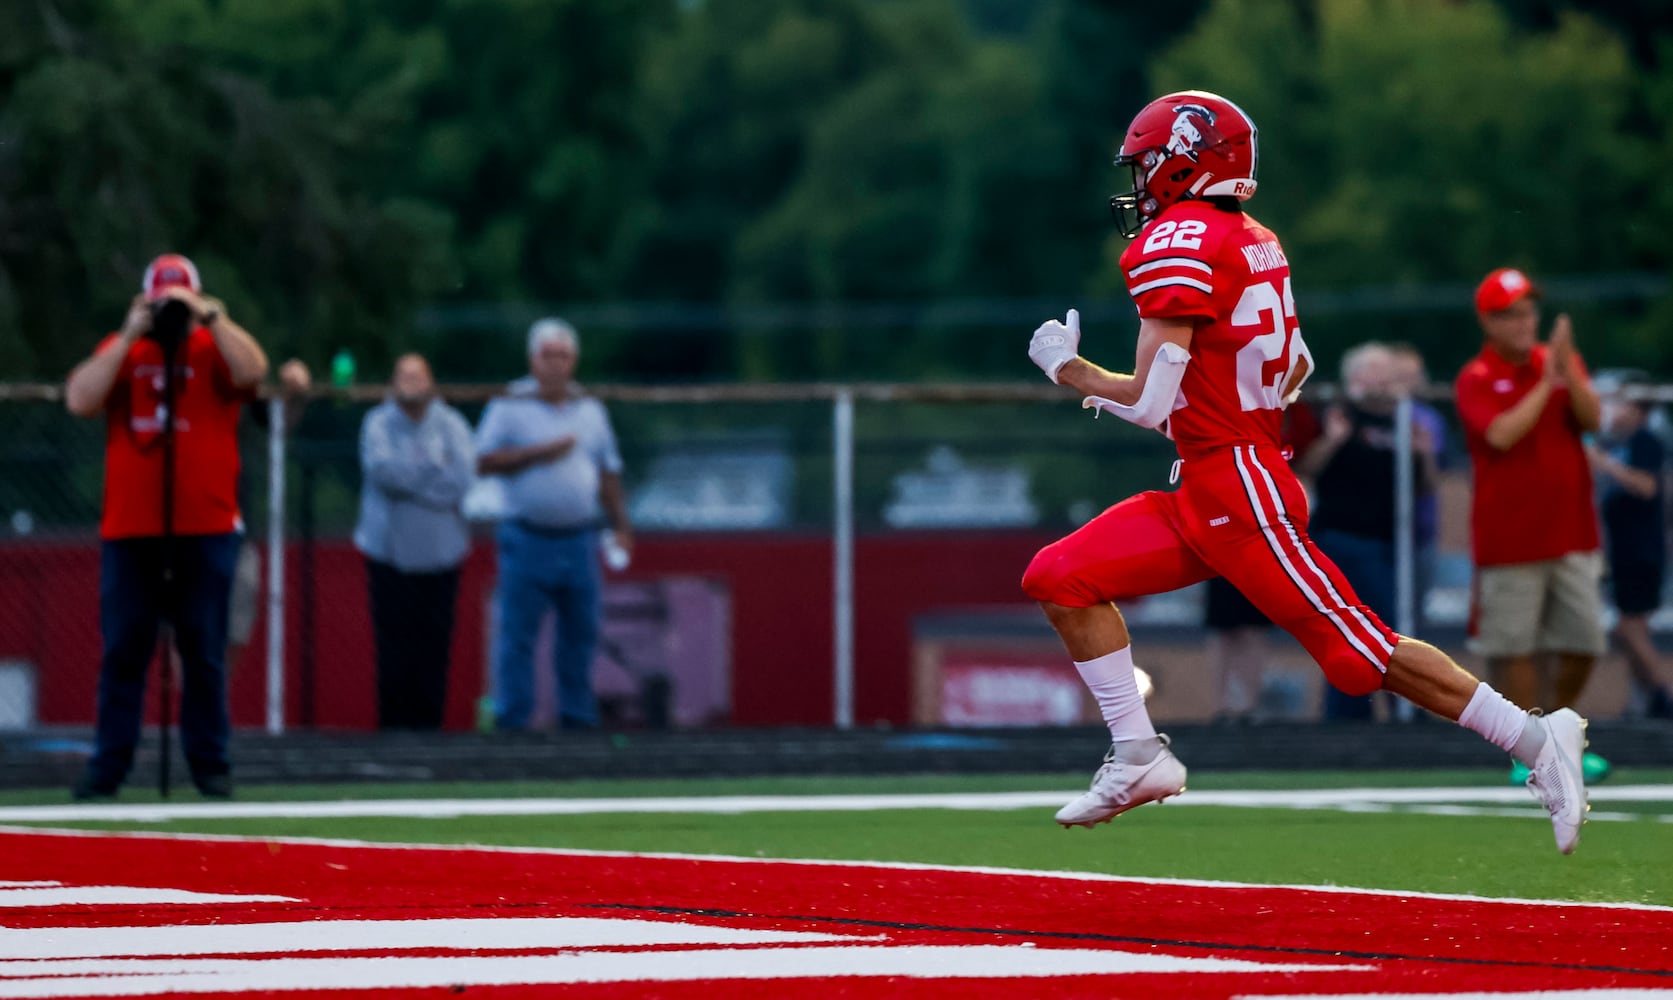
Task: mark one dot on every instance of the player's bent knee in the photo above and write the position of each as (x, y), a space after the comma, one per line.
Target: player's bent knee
(1353, 675)
(1050, 578)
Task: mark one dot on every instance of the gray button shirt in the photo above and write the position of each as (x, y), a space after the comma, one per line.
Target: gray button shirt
(560, 494)
(415, 476)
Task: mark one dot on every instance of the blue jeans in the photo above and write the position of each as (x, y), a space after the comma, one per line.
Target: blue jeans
(537, 571)
(1368, 563)
(133, 603)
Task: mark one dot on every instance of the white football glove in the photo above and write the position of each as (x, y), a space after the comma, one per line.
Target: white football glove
(1055, 344)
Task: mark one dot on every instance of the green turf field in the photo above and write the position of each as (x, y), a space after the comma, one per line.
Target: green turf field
(1624, 859)
(139, 790)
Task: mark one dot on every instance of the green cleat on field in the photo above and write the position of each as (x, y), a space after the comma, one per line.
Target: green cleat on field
(1594, 768)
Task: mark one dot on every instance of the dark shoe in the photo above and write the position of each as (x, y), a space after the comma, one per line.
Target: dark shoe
(88, 790)
(214, 786)
(1661, 704)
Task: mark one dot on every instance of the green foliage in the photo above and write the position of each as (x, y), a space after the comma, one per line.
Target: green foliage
(334, 168)
(328, 166)
(1423, 142)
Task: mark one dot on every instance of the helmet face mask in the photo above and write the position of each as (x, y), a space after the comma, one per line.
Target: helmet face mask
(1191, 144)
(1134, 207)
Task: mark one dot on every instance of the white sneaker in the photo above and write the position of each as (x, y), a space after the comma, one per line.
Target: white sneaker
(1556, 778)
(1120, 785)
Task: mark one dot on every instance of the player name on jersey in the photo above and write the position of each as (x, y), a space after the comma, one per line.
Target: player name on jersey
(1264, 256)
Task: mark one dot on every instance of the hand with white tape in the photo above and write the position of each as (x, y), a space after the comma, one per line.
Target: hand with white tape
(1055, 344)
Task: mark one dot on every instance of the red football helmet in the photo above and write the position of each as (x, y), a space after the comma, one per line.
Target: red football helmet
(1192, 144)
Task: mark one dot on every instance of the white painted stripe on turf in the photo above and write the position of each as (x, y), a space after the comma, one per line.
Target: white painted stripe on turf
(1499, 812)
(1316, 798)
(120, 895)
(451, 808)
(484, 934)
(1592, 816)
(118, 977)
(1066, 876)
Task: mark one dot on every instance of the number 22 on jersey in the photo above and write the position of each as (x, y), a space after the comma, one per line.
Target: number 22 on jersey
(1272, 366)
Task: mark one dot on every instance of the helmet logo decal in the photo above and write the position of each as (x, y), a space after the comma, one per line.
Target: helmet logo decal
(1193, 129)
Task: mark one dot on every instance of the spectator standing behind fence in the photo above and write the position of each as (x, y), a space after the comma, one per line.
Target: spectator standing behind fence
(216, 367)
(554, 447)
(244, 606)
(416, 463)
(1237, 630)
(1429, 428)
(1628, 461)
(1352, 465)
(1524, 406)
(1237, 651)
(294, 382)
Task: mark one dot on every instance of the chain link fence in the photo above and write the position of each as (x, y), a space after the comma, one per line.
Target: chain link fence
(749, 602)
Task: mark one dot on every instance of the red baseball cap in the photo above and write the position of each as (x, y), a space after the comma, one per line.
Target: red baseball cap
(171, 270)
(1502, 289)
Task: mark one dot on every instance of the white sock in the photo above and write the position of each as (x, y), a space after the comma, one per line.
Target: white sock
(1113, 684)
(1503, 724)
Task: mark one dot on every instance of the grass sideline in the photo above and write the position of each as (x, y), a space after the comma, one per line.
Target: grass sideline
(143, 789)
(1504, 856)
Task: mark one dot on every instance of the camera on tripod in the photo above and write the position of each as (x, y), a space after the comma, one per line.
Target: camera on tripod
(171, 321)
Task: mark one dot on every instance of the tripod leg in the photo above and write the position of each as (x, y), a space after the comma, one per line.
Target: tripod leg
(165, 713)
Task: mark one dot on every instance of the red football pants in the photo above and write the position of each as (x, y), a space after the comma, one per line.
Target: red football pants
(1239, 513)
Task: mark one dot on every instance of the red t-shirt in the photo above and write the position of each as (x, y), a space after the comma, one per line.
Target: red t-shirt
(1227, 272)
(1532, 501)
(205, 442)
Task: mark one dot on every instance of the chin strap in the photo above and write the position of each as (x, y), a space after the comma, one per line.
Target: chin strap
(1161, 394)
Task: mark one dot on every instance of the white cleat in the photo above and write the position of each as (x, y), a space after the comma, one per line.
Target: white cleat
(1556, 778)
(1121, 785)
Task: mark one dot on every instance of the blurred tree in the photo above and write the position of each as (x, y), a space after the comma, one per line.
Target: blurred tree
(836, 150)
(1640, 23)
(332, 166)
(125, 137)
(329, 166)
(732, 93)
(1646, 344)
(1427, 141)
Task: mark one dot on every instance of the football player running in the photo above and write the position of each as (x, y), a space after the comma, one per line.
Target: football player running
(1220, 355)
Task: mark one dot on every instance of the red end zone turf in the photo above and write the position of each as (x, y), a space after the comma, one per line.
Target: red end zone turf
(133, 915)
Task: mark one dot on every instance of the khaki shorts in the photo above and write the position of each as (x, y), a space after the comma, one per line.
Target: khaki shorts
(246, 596)
(1554, 606)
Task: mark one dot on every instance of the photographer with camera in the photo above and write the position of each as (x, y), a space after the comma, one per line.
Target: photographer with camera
(170, 384)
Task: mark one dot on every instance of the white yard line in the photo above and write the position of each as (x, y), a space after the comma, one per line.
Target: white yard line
(126, 977)
(1067, 876)
(1450, 801)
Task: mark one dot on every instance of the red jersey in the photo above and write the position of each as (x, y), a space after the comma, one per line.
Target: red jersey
(1533, 500)
(205, 442)
(1227, 272)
